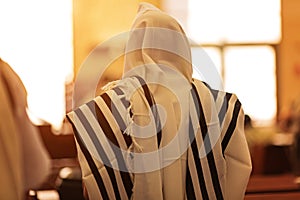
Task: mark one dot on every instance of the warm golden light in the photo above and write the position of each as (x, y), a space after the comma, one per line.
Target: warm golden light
(250, 73)
(36, 40)
(234, 21)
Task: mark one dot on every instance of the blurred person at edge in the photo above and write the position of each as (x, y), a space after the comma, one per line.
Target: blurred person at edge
(24, 161)
(216, 162)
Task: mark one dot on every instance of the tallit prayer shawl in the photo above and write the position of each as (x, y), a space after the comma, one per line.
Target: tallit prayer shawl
(222, 174)
(157, 133)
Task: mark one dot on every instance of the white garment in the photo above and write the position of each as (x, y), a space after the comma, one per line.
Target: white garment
(24, 161)
(200, 152)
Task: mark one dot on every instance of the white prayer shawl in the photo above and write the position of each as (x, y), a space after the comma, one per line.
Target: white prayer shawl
(131, 148)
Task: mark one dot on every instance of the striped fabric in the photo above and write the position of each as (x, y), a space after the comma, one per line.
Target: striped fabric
(106, 113)
(99, 127)
(230, 115)
(195, 164)
(112, 184)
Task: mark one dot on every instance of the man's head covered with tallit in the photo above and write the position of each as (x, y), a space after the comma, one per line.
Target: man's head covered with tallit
(158, 51)
(156, 40)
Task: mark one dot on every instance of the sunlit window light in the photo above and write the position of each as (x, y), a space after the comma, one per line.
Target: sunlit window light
(234, 21)
(36, 40)
(252, 21)
(203, 25)
(250, 73)
(207, 66)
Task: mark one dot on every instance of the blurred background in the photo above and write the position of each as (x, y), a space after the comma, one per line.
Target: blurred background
(254, 46)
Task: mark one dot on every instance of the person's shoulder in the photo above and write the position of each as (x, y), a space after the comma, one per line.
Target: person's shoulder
(202, 85)
(219, 96)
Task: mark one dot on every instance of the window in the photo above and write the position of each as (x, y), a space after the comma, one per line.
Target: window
(250, 73)
(36, 40)
(207, 64)
(234, 21)
(240, 38)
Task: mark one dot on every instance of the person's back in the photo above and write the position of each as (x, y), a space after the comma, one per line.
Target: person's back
(156, 133)
(24, 160)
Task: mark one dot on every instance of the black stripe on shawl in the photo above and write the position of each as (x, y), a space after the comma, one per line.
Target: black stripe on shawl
(117, 116)
(232, 125)
(213, 92)
(100, 150)
(210, 156)
(224, 107)
(151, 102)
(118, 91)
(90, 162)
(99, 115)
(189, 184)
(190, 193)
(124, 174)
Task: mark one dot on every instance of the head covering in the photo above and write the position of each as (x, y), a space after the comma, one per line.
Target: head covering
(158, 52)
(156, 39)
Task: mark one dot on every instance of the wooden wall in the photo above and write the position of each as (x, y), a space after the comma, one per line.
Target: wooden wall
(98, 20)
(288, 72)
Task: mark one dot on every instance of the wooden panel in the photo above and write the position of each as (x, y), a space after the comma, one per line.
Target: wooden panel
(274, 196)
(58, 146)
(272, 184)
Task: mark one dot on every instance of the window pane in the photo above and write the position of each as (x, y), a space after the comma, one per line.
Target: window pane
(234, 21)
(36, 40)
(204, 21)
(250, 73)
(207, 65)
(252, 21)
